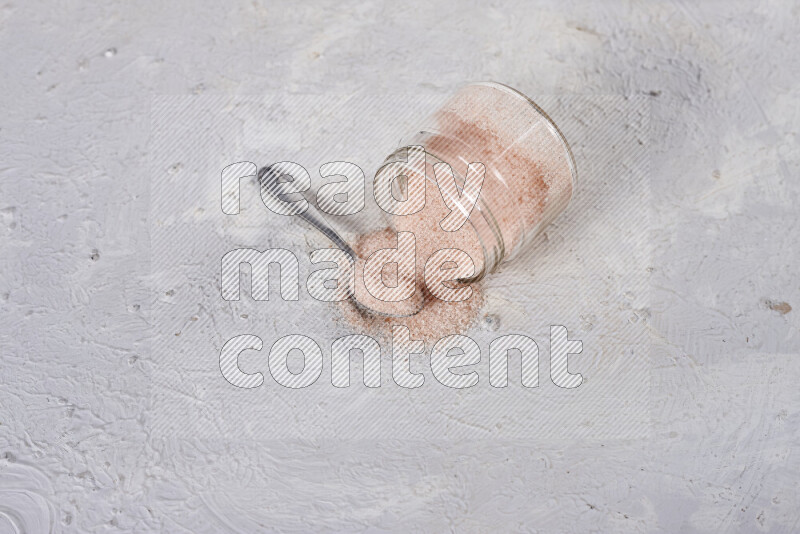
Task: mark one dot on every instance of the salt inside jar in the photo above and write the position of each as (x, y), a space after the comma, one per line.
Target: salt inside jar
(530, 171)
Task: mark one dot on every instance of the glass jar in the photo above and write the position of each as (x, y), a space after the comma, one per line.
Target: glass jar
(530, 174)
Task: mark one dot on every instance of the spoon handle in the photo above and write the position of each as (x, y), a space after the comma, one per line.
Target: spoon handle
(313, 216)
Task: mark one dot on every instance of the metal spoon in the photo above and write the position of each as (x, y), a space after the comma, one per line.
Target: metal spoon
(268, 181)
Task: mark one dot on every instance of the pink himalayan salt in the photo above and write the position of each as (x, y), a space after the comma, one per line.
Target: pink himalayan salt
(364, 248)
(528, 174)
(437, 318)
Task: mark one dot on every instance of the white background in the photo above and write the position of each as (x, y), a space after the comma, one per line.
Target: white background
(75, 449)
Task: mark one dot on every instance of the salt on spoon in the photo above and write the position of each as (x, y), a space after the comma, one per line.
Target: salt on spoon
(364, 301)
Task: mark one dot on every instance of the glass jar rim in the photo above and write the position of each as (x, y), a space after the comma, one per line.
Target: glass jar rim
(550, 124)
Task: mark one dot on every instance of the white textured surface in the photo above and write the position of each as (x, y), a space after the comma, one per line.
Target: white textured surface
(589, 273)
(74, 388)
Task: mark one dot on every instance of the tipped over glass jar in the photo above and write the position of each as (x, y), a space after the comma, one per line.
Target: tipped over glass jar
(528, 178)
